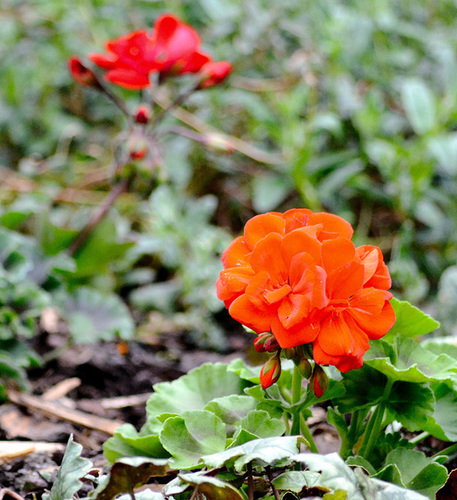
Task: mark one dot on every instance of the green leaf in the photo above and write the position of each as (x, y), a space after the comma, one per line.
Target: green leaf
(130, 473)
(444, 150)
(358, 393)
(296, 481)
(100, 250)
(419, 104)
(190, 436)
(268, 191)
(337, 476)
(212, 487)
(415, 471)
(443, 423)
(72, 469)
(231, 410)
(411, 322)
(406, 360)
(267, 451)
(92, 316)
(126, 441)
(257, 424)
(411, 404)
(194, 390)
(245, 372)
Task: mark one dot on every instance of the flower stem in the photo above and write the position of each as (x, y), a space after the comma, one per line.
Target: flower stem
(420, 437)
(372, 431)
(375, 423)
(88, 229)
(307, 435)
(347, 448)
(296, 393)
(447, 452)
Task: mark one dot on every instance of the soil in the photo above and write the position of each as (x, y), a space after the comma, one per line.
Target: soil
(93, 375)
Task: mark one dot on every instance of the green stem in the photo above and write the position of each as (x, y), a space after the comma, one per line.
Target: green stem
(372, 431)
(296, 394)
(447, 452)
(420, 437)
(348, 446)
(307, 435)
(375, 423)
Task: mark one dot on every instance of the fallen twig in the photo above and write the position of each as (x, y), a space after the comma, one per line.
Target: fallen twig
(54, 409)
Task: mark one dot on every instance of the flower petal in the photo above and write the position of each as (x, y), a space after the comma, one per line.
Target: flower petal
(260, 226)
(293, 309)
(301, 333)
(266, 256)
(299, 241)
(337, 253)
(331, 224)
(128, 78)
(345, 281)
(244, 311)
(236, 254)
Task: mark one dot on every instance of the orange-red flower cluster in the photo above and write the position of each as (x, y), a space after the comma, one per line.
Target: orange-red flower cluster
(172, 48)
(299, 275)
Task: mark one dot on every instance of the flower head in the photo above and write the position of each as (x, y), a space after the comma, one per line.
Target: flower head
(172, 48)
(299, 276)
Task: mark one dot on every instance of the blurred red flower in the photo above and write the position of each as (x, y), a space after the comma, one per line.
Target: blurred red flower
(214, 73)
(299, 275)
(81, 73)
(172, 48)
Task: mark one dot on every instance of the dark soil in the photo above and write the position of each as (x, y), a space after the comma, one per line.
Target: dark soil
(105, 370)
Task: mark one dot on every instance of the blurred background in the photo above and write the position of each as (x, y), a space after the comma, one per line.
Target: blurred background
(344, 106)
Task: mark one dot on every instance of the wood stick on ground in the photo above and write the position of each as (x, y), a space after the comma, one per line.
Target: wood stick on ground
(61, 389)
(10, 450)
(7, 493)
(56, 410)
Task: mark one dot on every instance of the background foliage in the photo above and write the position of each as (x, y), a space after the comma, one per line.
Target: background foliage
(349, 107)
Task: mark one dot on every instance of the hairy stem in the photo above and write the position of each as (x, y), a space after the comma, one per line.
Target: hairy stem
(273, 487)
(82, 237)
(250, 482)
(296, 393)
(306, 433)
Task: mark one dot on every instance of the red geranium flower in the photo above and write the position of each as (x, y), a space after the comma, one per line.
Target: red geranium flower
(129, 61)
(299, 275)
(176, 47)
(173, 48)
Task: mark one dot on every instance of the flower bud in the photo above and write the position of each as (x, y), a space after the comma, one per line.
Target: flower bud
(266, 342)
(270, 371)
(82, 74)
(289, 352)
(213, 73)
(305, 368)
(142, 114)
(137, 147)
(319, 380)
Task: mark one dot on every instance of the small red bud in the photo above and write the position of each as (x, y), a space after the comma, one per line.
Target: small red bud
(320, 381)
(82, 74)
(266, 342)
(213, 73)
(270, 371)
(137, 147)
(142, 114)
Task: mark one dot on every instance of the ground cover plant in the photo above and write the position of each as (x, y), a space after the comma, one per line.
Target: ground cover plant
(127, 175)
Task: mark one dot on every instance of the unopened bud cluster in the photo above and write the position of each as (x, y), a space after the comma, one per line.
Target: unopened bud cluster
(301, 356)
